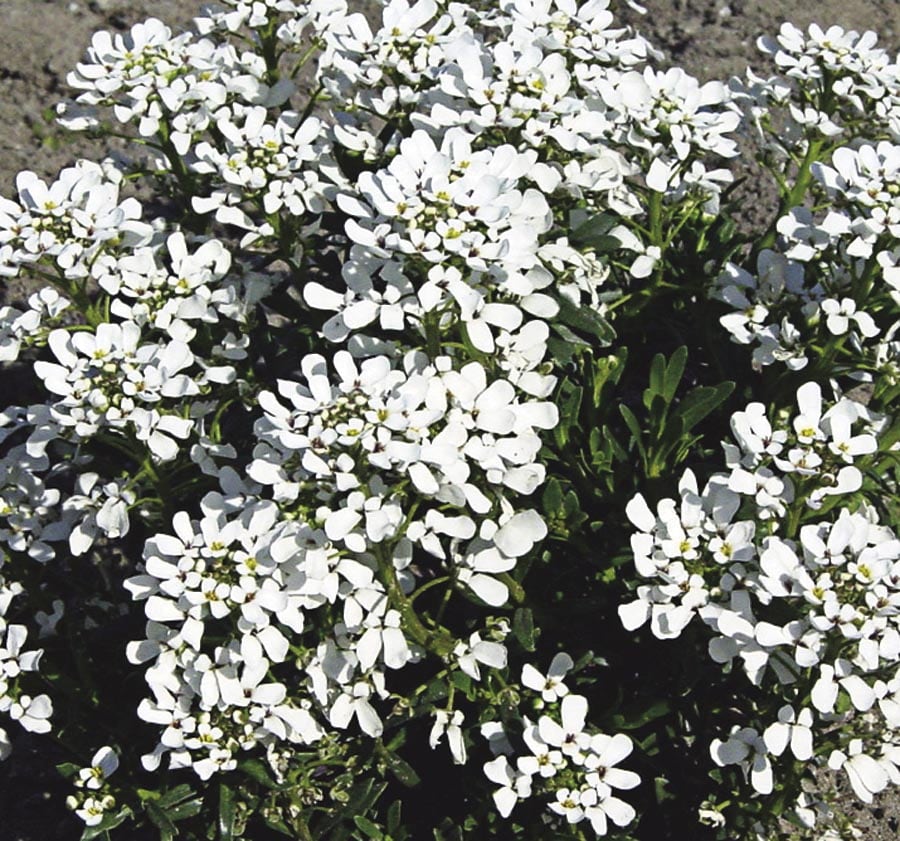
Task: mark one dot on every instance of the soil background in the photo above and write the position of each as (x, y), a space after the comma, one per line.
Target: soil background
(41, 40)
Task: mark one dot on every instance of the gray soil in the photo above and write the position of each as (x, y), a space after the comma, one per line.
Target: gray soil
(41, 40)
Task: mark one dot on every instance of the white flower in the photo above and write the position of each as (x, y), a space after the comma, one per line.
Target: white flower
(791, 729)
(478, 651)
(514, 785)
(745, 747)
(32, 713)
(92, 810)
(568, 734)
(103, 764)
(867, 776)
(551, 687)
(354, 701)
(839, 314)
(451, 724)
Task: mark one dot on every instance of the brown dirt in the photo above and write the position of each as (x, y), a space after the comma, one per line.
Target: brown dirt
(41, 40)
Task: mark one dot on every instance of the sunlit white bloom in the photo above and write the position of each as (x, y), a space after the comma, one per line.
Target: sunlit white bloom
(103, 764)
(551, 687)
(449, 724)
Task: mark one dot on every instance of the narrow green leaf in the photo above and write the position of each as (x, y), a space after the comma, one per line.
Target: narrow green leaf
(594, 232)
(585, 320)
(256, 770)
(186, 809)
(160, 819)
(569, 402)
(172, 796)
(674, 373)
(654, 711)
(371, 830)
(699, 402)
(394, 817)
(68, 769)
(226, 812)
(635, 428)
(402, 770)
(363, 795)
(552, 497)
(523, 628)
(657, 378)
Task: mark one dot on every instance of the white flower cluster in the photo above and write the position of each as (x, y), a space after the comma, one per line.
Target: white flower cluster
(151, 77)
(280, 612)
(811, 615)
(32, 712)
(564, 758)
(527, 78)
(94, 800)
(687, 547)
(831, 282)
(343, 532)
(70, 222)
(863, 81)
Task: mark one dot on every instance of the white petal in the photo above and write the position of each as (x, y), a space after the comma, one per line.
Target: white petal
(488, 589)
(640, 515)
(620, 812)
(636, 613)
(518, 535)
(776, 737)
(867, 776)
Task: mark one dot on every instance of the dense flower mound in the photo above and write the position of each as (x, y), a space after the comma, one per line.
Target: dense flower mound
(344, 466)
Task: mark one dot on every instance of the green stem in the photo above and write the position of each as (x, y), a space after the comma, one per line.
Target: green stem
(439, 641)
(432, 336)
(426, 587)
(793, 198)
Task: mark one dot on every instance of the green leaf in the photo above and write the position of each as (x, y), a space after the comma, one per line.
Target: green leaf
(226, 813)
(552, 498)
(447, 831)
(436, 691)
(523, 628)
(363, 796)
(172, 796)
(186, 809)
(674, 373)
(394, 816)
(585, 320)
(657, 378)
(661, 790)
(256, 770)
(160, 819)
(370, 829)
(569, 402)
(635, 428)
(594, 233)
(68, 769)
(402, 770)
(656, 710)
(563, 347)
(699, 402)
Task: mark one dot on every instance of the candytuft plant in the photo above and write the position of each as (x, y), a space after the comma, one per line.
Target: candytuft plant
(415, 440)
